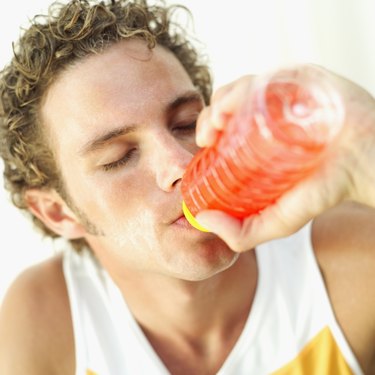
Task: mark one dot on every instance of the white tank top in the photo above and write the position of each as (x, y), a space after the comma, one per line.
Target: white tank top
(291, 328)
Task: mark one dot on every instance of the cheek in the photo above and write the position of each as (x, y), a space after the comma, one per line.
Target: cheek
(121, 204)
(136, 230)
(112, 191)
(125, 223)
(115, 200)
(126, 193)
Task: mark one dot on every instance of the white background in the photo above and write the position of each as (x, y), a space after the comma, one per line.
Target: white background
(240, 37)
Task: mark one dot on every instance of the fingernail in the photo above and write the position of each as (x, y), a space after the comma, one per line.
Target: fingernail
(206, 137)
(202, 222)
(217, 118)
(201, 135)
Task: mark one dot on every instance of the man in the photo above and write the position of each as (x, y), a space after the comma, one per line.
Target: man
(99, 112)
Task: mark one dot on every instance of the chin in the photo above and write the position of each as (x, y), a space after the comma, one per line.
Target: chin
(204, 262)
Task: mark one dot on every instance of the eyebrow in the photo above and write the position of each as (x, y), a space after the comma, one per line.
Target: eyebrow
(103, 139)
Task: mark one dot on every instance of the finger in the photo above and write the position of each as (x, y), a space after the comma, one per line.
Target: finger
(206, 134)
(225, 226)
(224, 103)
(290, 213)
(227, 102)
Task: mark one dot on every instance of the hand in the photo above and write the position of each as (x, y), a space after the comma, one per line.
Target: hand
(348, 173)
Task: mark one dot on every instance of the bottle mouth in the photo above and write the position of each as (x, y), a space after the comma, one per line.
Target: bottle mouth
(191, 219)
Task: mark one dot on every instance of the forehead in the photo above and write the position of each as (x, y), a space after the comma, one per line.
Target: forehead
(128, 79)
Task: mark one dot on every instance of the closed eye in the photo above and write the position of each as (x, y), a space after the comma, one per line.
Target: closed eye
(118, 163)
(181, 130)
(186, 129)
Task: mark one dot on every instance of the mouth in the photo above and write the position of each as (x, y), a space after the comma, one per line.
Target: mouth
(181, 221)
(174, 215)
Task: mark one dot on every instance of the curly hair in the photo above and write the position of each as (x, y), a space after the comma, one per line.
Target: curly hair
(54, 42)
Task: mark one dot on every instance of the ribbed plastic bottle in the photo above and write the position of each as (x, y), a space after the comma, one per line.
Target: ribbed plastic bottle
(281, 133)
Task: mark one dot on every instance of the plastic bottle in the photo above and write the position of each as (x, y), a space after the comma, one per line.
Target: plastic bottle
(280, 134)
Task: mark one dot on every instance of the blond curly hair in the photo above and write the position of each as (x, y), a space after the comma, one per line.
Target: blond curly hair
(52, 43)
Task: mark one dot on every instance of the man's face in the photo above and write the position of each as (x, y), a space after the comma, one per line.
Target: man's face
(122, 126)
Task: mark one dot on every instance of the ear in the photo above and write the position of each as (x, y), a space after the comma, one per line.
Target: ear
(51, 209)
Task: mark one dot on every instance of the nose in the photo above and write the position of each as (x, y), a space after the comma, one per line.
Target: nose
(170, 161)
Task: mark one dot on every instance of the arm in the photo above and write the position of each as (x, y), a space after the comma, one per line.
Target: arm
(343, 239)
(34, 331)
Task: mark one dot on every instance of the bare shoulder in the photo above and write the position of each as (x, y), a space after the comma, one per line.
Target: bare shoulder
(344, 242)
(36, 335)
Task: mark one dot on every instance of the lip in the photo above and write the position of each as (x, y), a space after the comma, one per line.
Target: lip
(181, 221)
(175, 215)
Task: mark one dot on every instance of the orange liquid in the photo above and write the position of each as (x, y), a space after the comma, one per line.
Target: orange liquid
(257, 158)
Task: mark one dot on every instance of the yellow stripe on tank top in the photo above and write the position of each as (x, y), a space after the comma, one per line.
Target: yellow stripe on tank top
(320, 356)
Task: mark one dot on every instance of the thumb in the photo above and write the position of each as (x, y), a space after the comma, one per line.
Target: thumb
(227, 227)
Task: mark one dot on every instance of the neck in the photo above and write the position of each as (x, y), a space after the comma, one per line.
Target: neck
(194, 310)
(193, 325)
